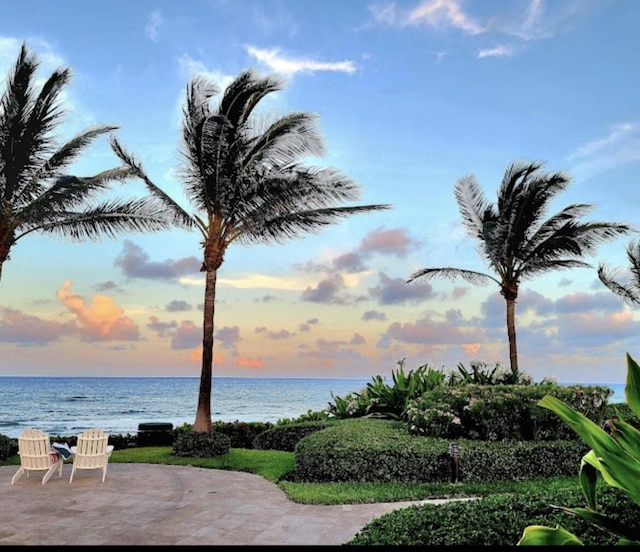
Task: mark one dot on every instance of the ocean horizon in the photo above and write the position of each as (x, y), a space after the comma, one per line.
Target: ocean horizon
(67, 405)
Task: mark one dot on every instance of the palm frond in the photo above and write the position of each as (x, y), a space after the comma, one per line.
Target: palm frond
(53, 167)
(450, 273)
(629, 295)
(173, 211)
(245, 92)
(110, 219)
(473, 206)
(285, 227)
(287, 140)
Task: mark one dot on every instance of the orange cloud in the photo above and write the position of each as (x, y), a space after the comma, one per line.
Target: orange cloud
(471, 348)
(249, 362)
(101, 321)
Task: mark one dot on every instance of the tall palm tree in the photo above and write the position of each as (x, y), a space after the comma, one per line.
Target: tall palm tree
(246, 180)
(35, 193)
(515, 239)
(630, 292)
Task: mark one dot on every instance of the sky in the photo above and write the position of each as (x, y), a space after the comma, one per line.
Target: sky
(410, 96)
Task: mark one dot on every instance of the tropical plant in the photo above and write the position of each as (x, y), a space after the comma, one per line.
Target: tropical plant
(246, 179)
(614, 456)
(381, 399)
(629, 293)
(36, 195)
(515, 240)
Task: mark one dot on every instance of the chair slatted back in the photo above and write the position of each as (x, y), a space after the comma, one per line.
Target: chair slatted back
(91, 450)
(34, 446)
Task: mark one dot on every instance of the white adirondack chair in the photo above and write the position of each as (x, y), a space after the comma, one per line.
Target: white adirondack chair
(92, 452)
(34, 448)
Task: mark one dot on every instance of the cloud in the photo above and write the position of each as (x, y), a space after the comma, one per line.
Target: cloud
(357, 339)
(27, 331)
(134, 262)
(249, 362)
(282, 334)
(186, 335)
(161, 329)
(439, 14)
(152, 29)
(177, 306)
(496, 51)
(289, 66)
(373, 315)
(228, 337)
(394, 291)
(101, 321)
(326, 291)
(394, 242)
(620, 145)
(426, 331)
(109, 285)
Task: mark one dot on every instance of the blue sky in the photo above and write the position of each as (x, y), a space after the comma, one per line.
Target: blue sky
(411, 96)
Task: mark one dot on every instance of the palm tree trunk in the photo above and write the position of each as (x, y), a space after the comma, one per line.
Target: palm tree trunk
(203, 413)
(511, 333)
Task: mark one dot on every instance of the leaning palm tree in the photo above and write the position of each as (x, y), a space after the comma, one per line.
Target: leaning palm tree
(35, 193)
(630, 292)
(247, 183)
(515, 240)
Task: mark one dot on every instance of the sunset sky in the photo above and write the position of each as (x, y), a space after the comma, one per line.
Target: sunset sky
(411, 96)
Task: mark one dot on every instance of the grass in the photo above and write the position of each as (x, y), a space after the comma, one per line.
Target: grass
(273, 465)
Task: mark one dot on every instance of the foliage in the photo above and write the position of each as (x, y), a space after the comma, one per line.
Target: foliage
(8, 447)
(286, 437)
(308, 416)
(481, 374)
(516, 241)
(614, 456)
(248, 181)
(377, 450)
(491, 521)
(241, 434)
(200, 445)
(630, 292)
(382, 399)
(496, 412)
(37, 193)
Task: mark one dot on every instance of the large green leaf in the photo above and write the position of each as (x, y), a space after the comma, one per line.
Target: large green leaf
(604, 522)
(592, 434)
(541, 535)
(589, 479)
(628, 437)
(632, 389)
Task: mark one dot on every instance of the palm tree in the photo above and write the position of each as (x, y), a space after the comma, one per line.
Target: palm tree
(247, 183)
(515, 240)
(629, 293)
(35, 193)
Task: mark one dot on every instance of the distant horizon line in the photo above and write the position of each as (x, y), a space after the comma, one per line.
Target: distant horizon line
(275, 377)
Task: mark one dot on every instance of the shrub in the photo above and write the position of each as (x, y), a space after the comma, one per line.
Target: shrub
(498, 412)
(200, 445)
(492, 521)
(286, 437)
(8, 447)
(373, 450)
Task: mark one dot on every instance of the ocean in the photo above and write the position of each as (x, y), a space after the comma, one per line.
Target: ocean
(69, 405)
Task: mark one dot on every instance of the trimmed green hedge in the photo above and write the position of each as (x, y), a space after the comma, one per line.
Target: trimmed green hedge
(367, 450)
(497, 520)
